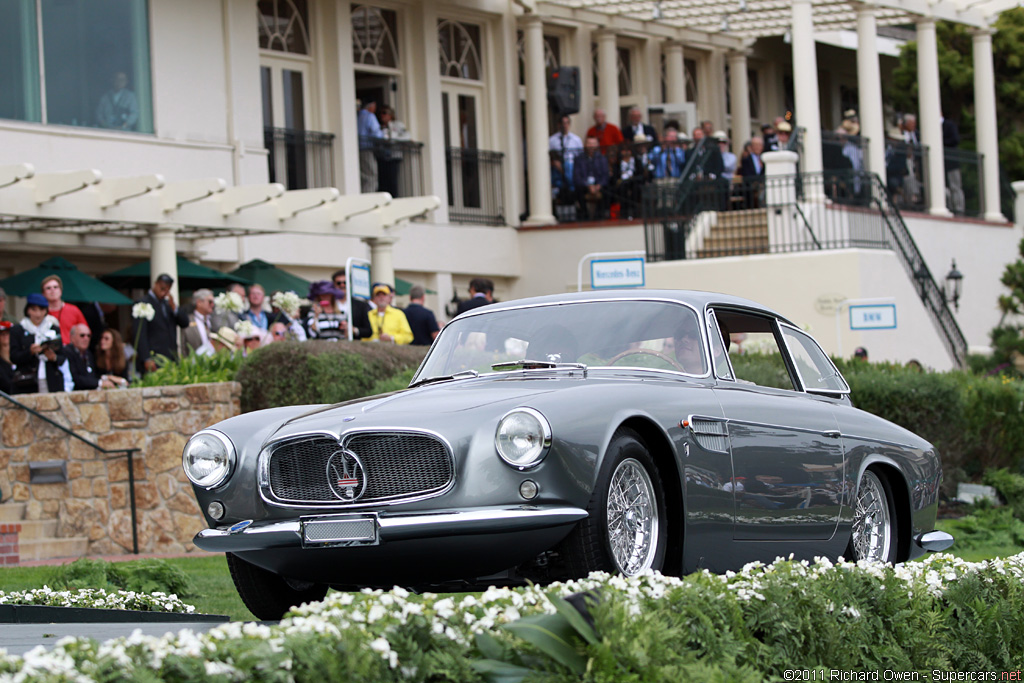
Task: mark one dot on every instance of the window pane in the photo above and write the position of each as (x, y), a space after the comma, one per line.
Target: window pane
(459, 50)
(97, 64)
(282, 25)
(19, 61)
(815, 369)
(373, 36)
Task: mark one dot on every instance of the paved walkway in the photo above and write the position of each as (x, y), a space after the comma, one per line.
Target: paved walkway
(18, 639)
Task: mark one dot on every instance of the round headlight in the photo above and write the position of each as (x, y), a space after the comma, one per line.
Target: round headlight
(523, 437)
(208, 458)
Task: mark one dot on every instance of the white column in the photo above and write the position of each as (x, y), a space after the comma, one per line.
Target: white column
(869, 88)
(608, 75)
(739, 95)
(382, 267)
(929, 106)
(985, 122)
(538, 168)
(716, 112)
(805, 85)
(163, 255)
(675, 76)
(1018, 203)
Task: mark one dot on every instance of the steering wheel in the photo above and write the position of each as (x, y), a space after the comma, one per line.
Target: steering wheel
(646, 352)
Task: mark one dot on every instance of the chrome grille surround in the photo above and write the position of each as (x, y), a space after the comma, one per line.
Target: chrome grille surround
(712, 434)
(402, 465)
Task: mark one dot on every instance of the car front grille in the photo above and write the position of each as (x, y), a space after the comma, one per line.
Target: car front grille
(397, 466)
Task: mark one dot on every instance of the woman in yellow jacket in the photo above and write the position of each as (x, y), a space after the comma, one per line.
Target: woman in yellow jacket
(389, 324)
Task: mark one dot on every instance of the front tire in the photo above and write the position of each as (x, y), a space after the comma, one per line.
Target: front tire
(874, 521)
(267, 595)
(626, 531)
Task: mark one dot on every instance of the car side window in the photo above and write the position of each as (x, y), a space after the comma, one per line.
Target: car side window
(754, 352)
(815, 369)
(719, 347)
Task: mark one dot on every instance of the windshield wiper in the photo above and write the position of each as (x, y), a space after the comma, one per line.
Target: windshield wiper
(444, 378)
(527, 364)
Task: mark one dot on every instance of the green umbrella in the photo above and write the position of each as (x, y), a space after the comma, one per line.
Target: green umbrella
(271, 277)
(191, 276)
(402, 287)
(77, 285)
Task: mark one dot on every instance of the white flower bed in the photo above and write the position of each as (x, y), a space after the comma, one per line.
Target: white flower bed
(370, 622)
(99, 598)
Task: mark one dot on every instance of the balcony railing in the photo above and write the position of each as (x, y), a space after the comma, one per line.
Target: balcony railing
(300, 159)
(475, 186)
(394, 166)
(965, 182)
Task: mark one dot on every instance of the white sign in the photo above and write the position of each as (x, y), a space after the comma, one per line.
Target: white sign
(626, 272)
(359, 280)
(877, 317)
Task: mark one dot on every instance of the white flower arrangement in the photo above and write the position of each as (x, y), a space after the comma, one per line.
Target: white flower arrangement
(245, 329)
(374, 619)
(289, 302)
(229, 302)
(143, 310)
(98, 598)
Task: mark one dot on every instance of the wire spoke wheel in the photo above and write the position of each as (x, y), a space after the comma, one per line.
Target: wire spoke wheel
(632, 517)
(872, 522)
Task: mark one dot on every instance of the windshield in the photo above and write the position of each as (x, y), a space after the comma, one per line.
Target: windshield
(640, 334)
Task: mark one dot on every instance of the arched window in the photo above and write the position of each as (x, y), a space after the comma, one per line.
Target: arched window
(282, 26)
(374, 33)
(459, 50)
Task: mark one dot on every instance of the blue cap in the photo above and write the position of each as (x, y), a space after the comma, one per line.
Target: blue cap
(35, 299)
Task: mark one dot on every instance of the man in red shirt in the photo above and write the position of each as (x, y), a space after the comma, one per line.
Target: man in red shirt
(607, 134)
(68, 315)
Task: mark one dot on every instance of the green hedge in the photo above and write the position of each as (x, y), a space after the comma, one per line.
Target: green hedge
(296, 373)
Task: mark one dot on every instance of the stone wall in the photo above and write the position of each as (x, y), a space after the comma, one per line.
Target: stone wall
(94, 502)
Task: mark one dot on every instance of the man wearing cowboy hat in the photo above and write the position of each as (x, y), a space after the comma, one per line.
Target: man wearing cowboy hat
(389, 324)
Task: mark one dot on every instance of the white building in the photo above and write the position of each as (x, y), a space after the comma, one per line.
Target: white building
(231, 97)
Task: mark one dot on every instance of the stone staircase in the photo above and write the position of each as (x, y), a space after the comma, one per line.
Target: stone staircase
(38, 538)
(736, 233)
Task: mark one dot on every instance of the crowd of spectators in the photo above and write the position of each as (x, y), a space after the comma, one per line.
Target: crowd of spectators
(604, 175)
(53, 348)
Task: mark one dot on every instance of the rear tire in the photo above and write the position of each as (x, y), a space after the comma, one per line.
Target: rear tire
(267, 595)
(874, 533)
(626, 531)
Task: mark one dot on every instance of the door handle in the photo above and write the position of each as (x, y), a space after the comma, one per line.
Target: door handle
(832, 434)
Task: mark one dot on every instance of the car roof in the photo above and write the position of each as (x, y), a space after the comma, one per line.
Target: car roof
(695, 298)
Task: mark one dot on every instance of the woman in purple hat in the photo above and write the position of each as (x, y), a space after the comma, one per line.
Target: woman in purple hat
(328, 319)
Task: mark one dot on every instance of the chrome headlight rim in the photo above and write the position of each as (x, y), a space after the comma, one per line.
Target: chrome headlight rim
(228, 470)
(545, 440)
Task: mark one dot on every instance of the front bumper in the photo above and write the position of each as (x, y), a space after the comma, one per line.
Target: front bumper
(390, 527)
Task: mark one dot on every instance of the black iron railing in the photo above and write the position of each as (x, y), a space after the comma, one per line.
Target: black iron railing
(300, 159)
(128, 452)
(394, 166)
(906, 172)
(841, 152)
(475, 186)
(805, 212)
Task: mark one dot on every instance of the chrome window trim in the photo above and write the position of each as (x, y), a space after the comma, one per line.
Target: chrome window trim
(263, 468)
(700, 319)
(709, 315)
(831, 392)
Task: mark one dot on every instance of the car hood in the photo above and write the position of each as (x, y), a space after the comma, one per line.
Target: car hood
(411, 407)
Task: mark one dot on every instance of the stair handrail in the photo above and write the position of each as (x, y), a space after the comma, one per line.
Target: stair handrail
(129, 453)
(913, 262)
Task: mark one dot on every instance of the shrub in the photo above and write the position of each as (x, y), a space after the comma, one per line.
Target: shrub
(193, 369)
(142, 576)
(294, 373)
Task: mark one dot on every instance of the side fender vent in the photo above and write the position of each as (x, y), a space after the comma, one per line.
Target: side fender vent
(710, 434)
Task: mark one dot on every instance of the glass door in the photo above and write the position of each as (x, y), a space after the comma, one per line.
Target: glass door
(460, 107)
(285, 86)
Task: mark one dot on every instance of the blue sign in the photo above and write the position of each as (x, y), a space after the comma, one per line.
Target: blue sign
(875, 317)
(625, 272)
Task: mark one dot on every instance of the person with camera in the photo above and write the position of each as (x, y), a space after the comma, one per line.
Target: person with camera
(36, 352)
